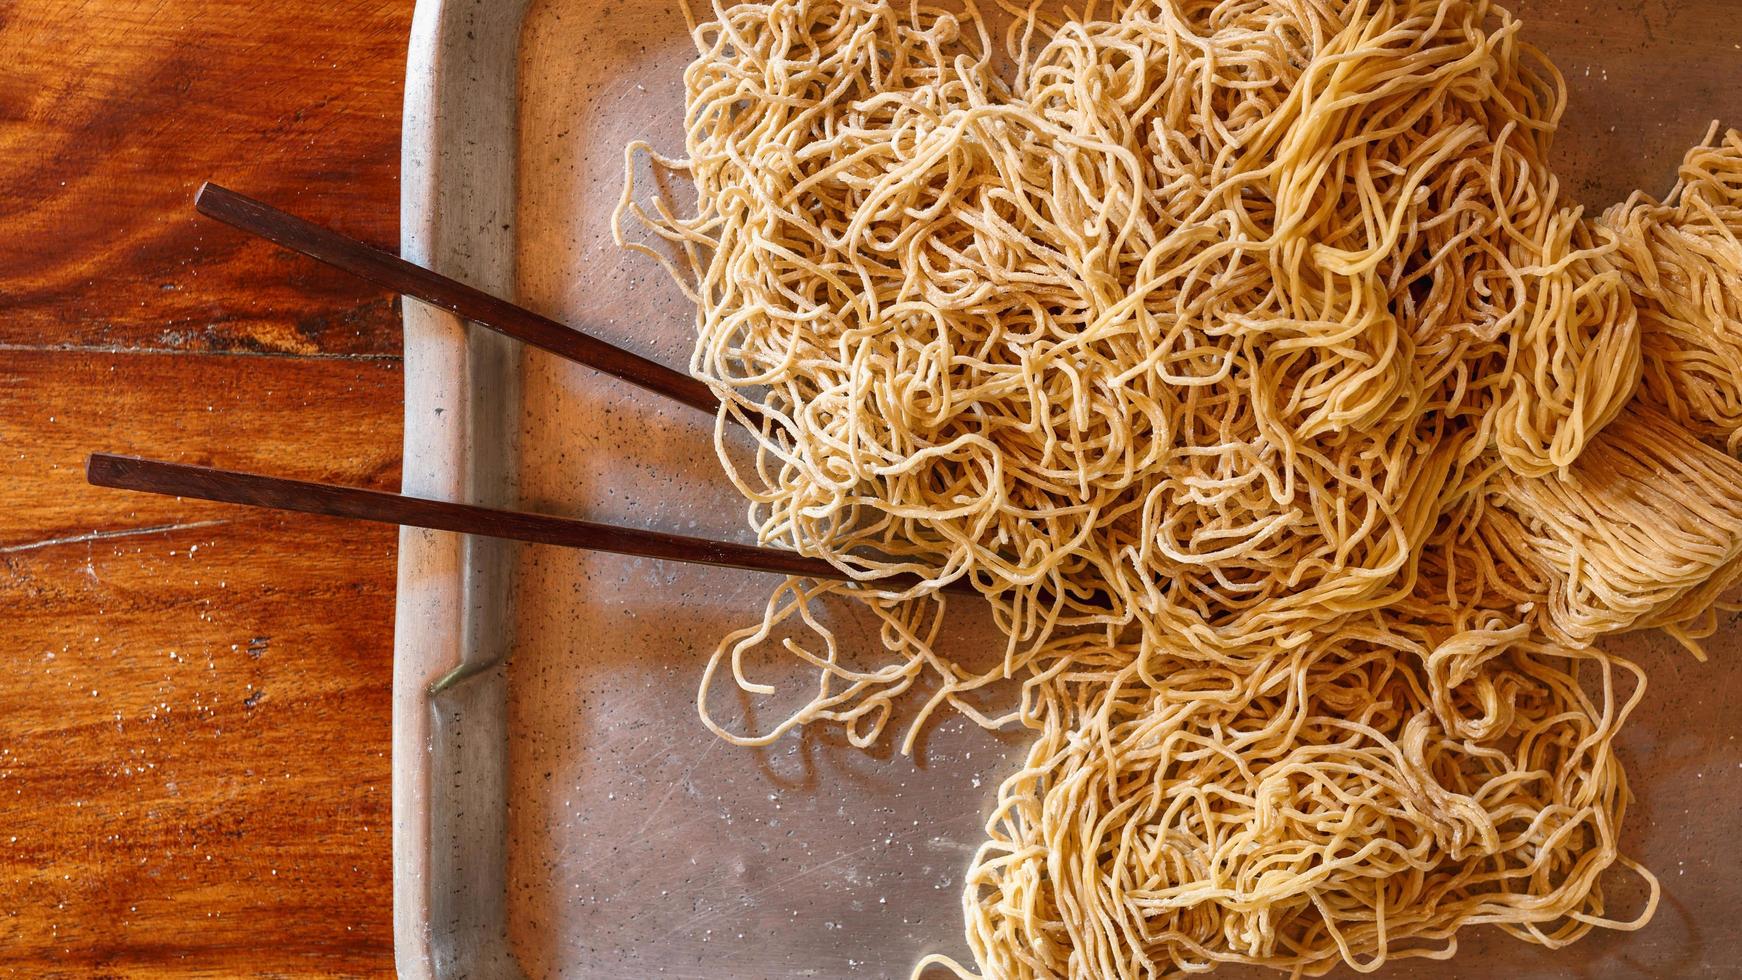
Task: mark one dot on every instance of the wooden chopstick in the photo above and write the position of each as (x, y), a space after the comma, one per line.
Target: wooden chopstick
(255, 490)
(410, 279)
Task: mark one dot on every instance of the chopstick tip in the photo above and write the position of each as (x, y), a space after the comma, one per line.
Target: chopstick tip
(209, 189)
(111, 470)
(97, 466)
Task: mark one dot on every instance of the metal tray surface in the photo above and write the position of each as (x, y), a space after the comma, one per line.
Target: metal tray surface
(559, 810)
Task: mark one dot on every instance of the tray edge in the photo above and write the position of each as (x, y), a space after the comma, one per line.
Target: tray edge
(451, 605)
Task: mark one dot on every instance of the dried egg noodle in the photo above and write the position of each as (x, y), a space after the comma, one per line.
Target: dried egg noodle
(1302, 435)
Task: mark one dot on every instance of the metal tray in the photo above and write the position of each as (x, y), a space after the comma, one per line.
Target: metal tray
(558, 809)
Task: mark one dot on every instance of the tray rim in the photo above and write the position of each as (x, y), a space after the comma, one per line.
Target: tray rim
(451, 604)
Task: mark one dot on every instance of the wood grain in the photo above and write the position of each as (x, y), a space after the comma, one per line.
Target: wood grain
(194, 773)
(113, 112)
(197, 717)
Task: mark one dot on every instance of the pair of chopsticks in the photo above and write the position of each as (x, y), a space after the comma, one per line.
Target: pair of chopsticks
(410, 279)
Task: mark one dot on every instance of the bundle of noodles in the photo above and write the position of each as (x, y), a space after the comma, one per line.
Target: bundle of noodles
(1685, 269)
(1644, 530)
(1189, 324)
(1306, 812)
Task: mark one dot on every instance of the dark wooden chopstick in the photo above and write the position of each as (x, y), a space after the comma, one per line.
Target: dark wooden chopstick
(410, 279)
(392, 272)
(254, 490)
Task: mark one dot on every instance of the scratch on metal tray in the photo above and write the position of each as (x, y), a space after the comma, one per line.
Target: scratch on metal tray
(710, 915)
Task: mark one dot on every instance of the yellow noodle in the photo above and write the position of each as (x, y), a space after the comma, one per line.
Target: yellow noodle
(1686, 266)
(1303, 438)
(1643, 530)
(1205, 340)
(1315, 810)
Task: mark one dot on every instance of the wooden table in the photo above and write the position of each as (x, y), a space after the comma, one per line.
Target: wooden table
(194, 719)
